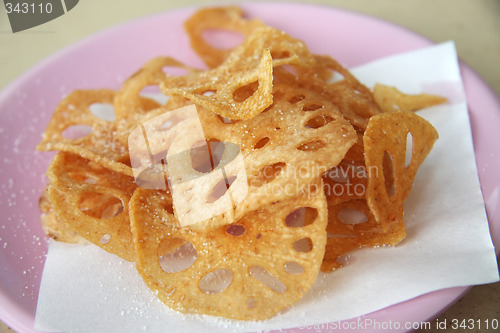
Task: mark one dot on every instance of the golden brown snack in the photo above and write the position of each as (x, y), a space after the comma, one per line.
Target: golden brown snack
(217, 18)
(93, 201)
(75, 129)
(249, 270)
(388, 136)
(129, 104)
(391, 99)
(331, 80)
(351, 226)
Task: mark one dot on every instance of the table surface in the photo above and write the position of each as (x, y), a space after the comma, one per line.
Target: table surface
(473, 25)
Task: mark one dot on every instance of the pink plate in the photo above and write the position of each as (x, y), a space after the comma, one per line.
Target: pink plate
(105, 60)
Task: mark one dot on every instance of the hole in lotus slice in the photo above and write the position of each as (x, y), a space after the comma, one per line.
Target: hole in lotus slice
(170, 122)
(208, 92)
(100, 205)
(222, 39)
(269, 173)
(75, 132)
(235, 230)
(152, 177)
(288, 68)
(103, 111)
(201, 160)
(112, 210)
(296, 99)
(303, 245)
(339, 174)
(176, 255)
(225, 120)
(216, 151)
(220, 189)
(280, 54)
(388, 169)
(154, 92)
(335, 77)
(351, 216)
(301, 217)
(105, 239)
(312, 146)
(312, 107)
(261, 274)
(250, 302)
(318, 121)
(174, 70)
(292, 267)
(409, 149)
(83, 177)
(242, 93)
(206, 155)
(217, 281)
(261, 143)
(148, 90)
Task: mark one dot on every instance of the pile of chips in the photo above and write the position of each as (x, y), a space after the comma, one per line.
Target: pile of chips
(297, 164)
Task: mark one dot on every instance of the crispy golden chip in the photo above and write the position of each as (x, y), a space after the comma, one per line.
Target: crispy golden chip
(133, 105)
(285, 50)
(391, 99)
(388, 136)
(216, 91)
(129, 102)
(330, 79)
(75, 129)
(351, 226)
(219, 18)
(243, 97)
(241, 87)
(93, 201)
(249, 270)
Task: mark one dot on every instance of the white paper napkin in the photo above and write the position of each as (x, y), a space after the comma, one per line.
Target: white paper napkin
(448, 244)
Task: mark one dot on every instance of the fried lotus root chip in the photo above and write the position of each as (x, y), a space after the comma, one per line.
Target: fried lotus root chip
(249, 270)
(93, 201)
(391, 99)
(128, 102)
(241, 87)
(75, 129)
(220, 89)
(287, 147)
(219, 18)
(330, 79)
(352, 226)
(389, 137)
